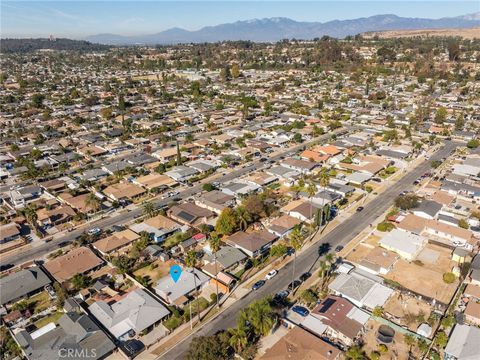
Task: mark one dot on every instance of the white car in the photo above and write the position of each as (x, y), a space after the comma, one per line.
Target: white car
(271, 274)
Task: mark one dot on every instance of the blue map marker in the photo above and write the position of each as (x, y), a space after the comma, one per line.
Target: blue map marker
(175, 272)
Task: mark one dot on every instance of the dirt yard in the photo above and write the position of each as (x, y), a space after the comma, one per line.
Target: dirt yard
(422, 280)
(408, 310)
(155, 273)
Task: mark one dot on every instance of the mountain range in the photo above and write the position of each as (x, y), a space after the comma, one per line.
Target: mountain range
(275, 29)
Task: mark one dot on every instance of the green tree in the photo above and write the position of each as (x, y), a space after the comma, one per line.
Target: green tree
(37, 100)
(92, 202)
(243, 217)
(238, 337)
(260, 316)
(473, 144)
(463, 224)
(235, 71)
(208, 187)
(355, 352)
(149, 209)
(441, 115)
(226, 222)
(441, 339)
(207, 348)
(80, 281)
(406, 202)
(377, 311)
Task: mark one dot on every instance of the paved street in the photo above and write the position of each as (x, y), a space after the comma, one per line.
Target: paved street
(308, 260)
(124, 217)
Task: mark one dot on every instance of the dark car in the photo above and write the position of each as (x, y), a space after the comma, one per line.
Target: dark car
(63, 243)
(304, 276)
(360, 208)
(300, 310)
(339, 248)
(133, 347)
(294, 284)
(6, 267)
(290, 251)
(258, 285)
(280, 296)
(377, 180)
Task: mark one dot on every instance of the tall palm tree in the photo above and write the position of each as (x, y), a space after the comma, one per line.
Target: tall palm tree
(238, 338)
(243, 216)
(296, 240)
(191, 261)
(261, 317)
(149, 209)
(92, 202)
(31, 215)
(311, 191)
(324, 180)
(322, 273)
(214, 242)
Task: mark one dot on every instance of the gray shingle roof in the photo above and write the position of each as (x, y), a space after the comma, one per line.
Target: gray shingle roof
(21, 283)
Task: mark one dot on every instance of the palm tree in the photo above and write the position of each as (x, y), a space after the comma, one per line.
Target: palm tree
(238, 338)
(214, 242)
(261, 317)
(296, 240)
(243, 216)
(149, 209)
(311, 191)
(92, 202)
(31, 215)
(324, 179)
(191, 261)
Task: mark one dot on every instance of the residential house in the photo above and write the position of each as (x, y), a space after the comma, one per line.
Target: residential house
(253, 244)
(178, 293)
(21, 284)
(158, 227)
(215, 201)
(116, 241)
(73, 333)
(463, 343)
(9, 232)
(304, 345)
(182, 173)
(190, 214)
(427, 209)
(301, 166)
(404, 243)
(77, 261)
(133, 314)
(124, 191)
(283, 226)
(360, 290)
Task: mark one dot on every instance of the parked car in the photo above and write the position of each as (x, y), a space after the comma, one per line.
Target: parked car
(258, 285)
(300, 310)
(294, 284)
(290, 251)
(304, 276)
(360, 208)
(271, 274)
(94, 231)
(339, 248)
(133, 347)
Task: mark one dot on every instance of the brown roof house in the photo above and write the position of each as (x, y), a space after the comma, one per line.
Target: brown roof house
(9, 232)
(283, 225)
(124, 191)
(253, 244)
(337, 318)
(300, 344)
(78, 261)
(190, 214)
(116, 241)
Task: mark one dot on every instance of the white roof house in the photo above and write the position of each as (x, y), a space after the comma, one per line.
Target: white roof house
(360, 290)
(406, 244)
(463, 343)
(171, 291)
(137, 311)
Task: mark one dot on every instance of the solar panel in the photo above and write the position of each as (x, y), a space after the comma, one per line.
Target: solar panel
(186, 216)
(326, 305)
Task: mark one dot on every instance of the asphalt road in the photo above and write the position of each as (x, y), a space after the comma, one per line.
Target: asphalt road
(309, 260)
(120, 218)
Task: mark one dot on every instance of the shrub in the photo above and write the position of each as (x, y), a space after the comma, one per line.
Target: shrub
(213, 298)
(449, 278)
(385, 226)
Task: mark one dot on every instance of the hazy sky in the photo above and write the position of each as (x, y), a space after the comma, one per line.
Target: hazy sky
(77, 19)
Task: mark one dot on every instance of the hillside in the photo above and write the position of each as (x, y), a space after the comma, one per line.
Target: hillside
(473, 33)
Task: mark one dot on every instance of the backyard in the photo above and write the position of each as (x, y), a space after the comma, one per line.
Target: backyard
(154, 271)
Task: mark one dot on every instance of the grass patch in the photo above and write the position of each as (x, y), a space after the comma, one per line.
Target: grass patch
(48, 319)
(173, 322)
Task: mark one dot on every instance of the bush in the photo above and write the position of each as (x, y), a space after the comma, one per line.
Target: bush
(213, 298)
(407, 201)
(385, 226)
(449, 278)
(382, 348)
(473, 144)
(208, 187)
